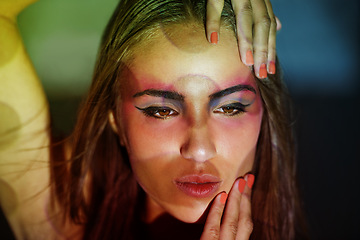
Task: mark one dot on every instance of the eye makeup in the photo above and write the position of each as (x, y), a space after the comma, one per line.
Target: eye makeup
(160, 104)
(158, 112)
(159, 107)
(231, 109)
(232, 103)
(230, 90)
(164, 104)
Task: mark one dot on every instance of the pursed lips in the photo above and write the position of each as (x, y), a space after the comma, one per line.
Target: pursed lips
(199, 186)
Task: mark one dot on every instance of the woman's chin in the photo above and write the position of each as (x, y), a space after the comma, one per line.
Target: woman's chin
(190, 214)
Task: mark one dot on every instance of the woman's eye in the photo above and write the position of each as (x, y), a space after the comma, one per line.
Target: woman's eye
(231, 109)
(159, 112)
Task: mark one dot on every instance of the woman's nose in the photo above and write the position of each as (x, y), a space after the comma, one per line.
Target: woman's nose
(198, 145)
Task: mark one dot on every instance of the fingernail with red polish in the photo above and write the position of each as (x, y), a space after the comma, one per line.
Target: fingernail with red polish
(250, 180)
(242, 183)
(223, 197)
(214, 37)
(262, 71)
(249, 58)
(272, 68)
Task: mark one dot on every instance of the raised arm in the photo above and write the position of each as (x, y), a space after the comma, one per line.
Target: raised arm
(24, 138)
(23, 105)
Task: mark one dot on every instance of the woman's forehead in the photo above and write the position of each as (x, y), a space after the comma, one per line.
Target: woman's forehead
(182, 56)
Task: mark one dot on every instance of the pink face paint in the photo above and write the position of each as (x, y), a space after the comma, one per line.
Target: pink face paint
(183, 160)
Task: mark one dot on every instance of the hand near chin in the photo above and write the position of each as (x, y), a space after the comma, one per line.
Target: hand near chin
(256, 27)
(230, 216)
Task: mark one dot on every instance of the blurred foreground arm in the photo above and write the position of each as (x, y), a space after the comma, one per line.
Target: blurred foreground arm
(23, 105)
(24, 138)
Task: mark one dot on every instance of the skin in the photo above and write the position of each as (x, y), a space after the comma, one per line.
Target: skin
(24, 175)
(196, 136)
(256, 31)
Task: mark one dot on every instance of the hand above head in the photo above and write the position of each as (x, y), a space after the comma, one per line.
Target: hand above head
(233, 221)
(256, 27)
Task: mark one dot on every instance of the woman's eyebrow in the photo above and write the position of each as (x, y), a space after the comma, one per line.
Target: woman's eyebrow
(161, 93)
(231, 90)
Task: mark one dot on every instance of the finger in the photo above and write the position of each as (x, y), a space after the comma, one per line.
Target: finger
(244, 23)
(272, 39)
(229, 227)
(213, 16)
(245, 224)
(261, 31)
(213, 221)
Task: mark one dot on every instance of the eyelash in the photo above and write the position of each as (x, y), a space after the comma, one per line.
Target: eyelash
(237, 107)
(152, 111)
(156, 112)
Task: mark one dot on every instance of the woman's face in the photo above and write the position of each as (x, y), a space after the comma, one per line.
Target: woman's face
(190, 117)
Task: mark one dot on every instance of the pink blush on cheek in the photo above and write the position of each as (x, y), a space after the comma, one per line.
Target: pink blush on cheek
(149, 137)
(248, 120)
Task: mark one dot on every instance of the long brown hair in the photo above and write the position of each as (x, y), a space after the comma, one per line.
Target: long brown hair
(98, 189)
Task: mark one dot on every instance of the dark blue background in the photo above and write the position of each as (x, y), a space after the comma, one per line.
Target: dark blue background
(319, 50)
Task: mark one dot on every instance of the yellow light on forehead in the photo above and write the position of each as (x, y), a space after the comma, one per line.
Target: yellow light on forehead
(194, 85)
(188, 37)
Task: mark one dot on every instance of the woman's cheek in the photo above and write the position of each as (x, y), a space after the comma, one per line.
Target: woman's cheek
(236, 139)
(149, 137)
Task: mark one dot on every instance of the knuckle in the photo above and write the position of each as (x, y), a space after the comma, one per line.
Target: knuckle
(214, 232)
(261, 53)
(233, 227)
(218, 211)
(246, 7)
(264, 21)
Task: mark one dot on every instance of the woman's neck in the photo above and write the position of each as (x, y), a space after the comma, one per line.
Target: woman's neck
(167, 227)
(157, 224)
